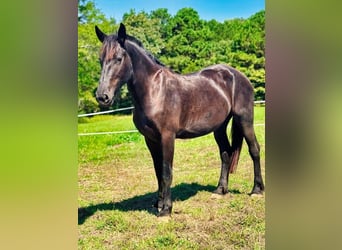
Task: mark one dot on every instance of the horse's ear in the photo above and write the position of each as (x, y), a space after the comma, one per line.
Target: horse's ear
(100, 35)
(122, 34)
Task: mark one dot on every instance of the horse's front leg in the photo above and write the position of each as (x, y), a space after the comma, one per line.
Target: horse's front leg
(167, 143)
(157, 157)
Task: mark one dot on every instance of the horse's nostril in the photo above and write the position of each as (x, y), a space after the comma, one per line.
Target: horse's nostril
(103, 98)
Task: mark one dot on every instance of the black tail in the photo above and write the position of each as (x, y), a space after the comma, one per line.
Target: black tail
(237, 137)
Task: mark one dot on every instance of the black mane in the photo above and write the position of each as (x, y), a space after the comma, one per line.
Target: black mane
(139, 43)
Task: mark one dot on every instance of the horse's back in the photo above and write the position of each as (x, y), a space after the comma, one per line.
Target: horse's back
(235, 83)
(228, 74)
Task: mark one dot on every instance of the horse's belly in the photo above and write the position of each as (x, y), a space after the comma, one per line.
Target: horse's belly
(198, 128)
(184, 134)
(202, 121)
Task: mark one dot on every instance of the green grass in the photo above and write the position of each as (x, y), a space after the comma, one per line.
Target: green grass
(117, 187)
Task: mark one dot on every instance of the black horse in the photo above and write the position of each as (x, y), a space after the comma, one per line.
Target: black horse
(169, 105)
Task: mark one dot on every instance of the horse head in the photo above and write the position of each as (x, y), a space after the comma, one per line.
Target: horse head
(116, 67)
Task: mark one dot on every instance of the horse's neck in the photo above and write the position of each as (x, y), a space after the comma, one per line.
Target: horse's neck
(143, 66)
(143, 69)
(135, 92)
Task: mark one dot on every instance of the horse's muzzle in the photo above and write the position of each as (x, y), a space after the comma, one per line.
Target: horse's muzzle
(104, 100)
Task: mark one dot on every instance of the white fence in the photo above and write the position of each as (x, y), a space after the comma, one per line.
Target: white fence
(127, 131)
(105, 112)
(128, 108)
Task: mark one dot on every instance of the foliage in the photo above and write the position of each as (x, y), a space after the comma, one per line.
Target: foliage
(88, 50)
(147, 30)
(88, 13)
(183, 42)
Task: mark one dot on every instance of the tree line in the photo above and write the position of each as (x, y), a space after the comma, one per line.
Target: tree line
(184, 42)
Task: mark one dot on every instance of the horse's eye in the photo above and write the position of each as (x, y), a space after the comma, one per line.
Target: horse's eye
(119, 59)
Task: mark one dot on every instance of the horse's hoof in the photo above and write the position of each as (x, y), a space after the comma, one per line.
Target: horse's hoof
(158, 206)
(165, 212)
(221, 191)
(256, 195)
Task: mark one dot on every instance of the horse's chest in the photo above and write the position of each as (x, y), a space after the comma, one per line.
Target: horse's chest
(145, 126)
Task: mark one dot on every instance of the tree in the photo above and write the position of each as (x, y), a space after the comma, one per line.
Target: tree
(147, 30)
(88, 49)
(186, 37)
(184, 42)
(163, 17)
(88, 13)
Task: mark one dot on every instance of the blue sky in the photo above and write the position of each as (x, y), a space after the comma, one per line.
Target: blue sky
(208, 9)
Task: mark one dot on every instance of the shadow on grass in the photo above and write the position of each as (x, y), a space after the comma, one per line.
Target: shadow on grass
(144, 202)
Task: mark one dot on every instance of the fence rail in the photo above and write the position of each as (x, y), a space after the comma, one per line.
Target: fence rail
(105, 112)
(128, 108)
(129, 131)
(108, 133)
(132, 131)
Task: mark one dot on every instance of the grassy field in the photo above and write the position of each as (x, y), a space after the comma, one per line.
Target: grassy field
(117, 187)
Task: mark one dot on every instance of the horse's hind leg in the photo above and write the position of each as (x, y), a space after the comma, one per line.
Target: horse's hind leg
(254, 151)
(225, 153)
